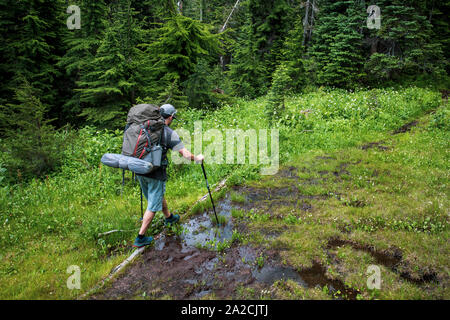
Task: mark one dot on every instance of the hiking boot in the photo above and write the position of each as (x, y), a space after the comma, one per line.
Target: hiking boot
(145, 241)
(173, 219)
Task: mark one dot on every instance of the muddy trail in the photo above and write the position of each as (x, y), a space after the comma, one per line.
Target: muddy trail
(188, 267)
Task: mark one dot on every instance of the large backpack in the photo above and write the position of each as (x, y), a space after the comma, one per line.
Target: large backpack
(141, 146)
(144, 129)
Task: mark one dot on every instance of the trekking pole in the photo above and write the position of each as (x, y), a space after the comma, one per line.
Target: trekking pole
(123, 181)
(142, 213)
(209, 191)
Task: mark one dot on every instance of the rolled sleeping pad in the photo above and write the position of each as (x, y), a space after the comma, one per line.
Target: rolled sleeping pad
(128, 163)
(123, 163)
(111, 160)
(139, 166)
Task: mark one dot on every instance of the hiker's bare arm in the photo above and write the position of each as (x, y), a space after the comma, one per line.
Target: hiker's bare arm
(188, 155)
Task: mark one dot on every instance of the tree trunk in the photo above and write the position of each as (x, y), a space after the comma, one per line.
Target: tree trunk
(305, 23)
(312, 19)
(226, 21)
(373, 46)
(223, 28)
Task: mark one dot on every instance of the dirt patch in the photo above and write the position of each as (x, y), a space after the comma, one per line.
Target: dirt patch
(312, 181)
(180, 267)
(406, 127)
(168, 269)
(271, 199)
(325, 158)
(377, 145)
(355, 203)
(391, 259)
(316, 277)
(342, 168)
(172, 269)
(289, 172)
(291, 192)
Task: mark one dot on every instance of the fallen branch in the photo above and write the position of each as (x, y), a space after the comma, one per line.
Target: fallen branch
(112, 231)
(116, 269)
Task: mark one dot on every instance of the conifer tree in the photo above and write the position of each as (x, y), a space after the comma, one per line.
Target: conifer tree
(180, 43)
(292, 56)
(31, 42)
(280, 84)
(337, 49)
(248, 74)
(28, 136)
(109, 86)
(441, 28)
(82, 45)
(258, 51)
(404, 44)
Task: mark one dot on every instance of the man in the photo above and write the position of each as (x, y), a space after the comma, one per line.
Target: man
(153, 185)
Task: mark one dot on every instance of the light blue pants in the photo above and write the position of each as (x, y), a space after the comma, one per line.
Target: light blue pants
(153, 191)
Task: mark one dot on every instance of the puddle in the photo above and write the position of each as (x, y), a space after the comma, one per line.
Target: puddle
(377, 145)
(247, 254)
(315, 277)
(202, 293)
(406, 127)
(160, 243)
(270, 274)
(208, 265)
(190, 272)
(200, 231)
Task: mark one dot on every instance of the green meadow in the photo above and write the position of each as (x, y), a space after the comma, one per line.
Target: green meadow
(378, 189)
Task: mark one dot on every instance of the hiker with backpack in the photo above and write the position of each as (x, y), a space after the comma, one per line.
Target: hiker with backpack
(146, 140)
(153, 184)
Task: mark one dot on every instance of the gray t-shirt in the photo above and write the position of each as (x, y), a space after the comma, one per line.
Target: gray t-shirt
(169, 140)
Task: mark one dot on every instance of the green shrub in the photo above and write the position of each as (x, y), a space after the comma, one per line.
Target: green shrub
(441, 119)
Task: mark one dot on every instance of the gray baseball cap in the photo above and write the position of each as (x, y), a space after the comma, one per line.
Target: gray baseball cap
(167, 110)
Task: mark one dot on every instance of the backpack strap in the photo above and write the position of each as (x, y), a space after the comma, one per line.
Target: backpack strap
(163, 142)
(150, 144)
(149, 139)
